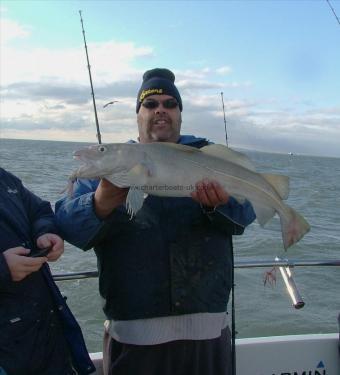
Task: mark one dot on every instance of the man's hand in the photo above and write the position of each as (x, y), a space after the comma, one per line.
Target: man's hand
(20, 265)
(55, 242)
(107, 197)
(210, 193)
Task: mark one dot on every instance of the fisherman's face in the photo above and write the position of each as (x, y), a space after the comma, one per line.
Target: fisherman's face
(159, 119)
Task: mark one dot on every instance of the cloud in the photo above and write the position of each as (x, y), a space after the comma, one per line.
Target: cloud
(193, 74)
(12, 30)
(223, 70)
(249, 126)
(113, 60)
(45, 94)
(189, 84)
(38, 91)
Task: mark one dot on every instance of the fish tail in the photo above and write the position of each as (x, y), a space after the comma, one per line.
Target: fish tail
(294, 226)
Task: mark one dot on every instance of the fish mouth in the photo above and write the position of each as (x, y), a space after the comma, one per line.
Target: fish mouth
(88, 167)
(86, 163)
(77, 155)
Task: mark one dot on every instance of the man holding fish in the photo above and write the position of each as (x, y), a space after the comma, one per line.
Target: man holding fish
(164, 260)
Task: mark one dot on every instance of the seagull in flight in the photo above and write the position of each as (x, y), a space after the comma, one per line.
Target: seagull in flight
(114, 101)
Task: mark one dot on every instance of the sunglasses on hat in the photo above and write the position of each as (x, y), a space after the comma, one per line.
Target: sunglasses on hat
(153, 104)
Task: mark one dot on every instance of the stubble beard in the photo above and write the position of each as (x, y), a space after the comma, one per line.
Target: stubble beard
(168, 134)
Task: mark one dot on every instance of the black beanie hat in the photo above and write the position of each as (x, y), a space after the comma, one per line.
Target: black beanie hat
(158, 82)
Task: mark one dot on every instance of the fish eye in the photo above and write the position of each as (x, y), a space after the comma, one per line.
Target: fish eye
(101, 148)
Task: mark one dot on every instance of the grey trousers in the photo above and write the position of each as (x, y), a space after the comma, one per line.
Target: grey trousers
(182, 357)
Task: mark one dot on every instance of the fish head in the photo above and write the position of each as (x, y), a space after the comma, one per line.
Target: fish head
(100, 160)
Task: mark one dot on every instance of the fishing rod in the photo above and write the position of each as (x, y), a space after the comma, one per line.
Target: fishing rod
(335, 15)
(92, 92)
(225, 122)
(233, 310)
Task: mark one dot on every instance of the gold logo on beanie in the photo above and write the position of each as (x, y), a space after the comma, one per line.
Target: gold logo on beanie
(148, 92)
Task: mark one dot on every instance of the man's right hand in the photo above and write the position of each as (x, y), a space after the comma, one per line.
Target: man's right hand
(19, 264)
(107, 197)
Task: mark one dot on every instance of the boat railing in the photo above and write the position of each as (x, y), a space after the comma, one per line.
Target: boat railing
(285, 266)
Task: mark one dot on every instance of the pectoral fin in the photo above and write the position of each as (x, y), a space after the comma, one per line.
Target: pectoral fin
(137, 177)
(134, 200)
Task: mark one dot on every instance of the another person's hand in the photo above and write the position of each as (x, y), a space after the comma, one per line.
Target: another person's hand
(20, 265)
(210, 193)
(107, 197)
(54, 241)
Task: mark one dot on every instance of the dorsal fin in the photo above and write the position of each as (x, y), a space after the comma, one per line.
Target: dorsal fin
(227, 154)
(279, 182)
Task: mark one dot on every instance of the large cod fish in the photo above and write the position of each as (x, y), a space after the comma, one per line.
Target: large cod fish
(172, 170)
